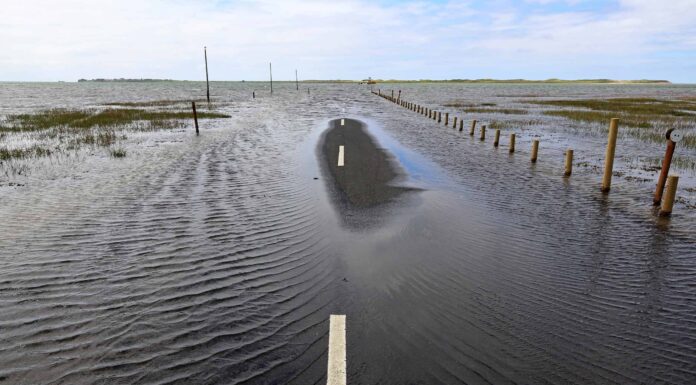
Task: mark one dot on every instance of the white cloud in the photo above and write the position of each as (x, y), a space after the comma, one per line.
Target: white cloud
(45, 39)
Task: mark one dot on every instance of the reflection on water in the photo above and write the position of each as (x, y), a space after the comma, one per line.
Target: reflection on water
(217, 259)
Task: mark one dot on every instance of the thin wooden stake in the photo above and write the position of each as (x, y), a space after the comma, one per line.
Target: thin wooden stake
(568, 162)
(195, 116)
(535, 150)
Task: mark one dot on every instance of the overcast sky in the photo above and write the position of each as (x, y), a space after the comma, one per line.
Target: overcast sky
(352, 39)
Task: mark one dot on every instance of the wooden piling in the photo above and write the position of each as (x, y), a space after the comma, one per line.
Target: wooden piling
(270, 72)
(454, 122)
(461, 125)
(439, 117)
(483, 133)
(668, 202)
(496, 140)
(535, 150)
(568, 162)
(666, 162)
(446, 118)
(473, 127)
(609, 158)
(297, 82)
(512, 143)
(207, 83)
(195, 116)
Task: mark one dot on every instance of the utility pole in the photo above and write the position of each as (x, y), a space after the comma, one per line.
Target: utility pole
(207, 83)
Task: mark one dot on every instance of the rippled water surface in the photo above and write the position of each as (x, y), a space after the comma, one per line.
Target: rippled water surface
(219, 258)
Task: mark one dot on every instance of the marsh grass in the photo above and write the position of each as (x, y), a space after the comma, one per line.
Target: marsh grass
(118, 152)
(155, 103)
(646, 118)
(111, 117)
(504, 124)
(600, 116)
(93, 127)
(20, 153)
(638, 106)
(506, 111)
(465, 105)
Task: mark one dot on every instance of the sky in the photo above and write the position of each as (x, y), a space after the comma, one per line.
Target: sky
(51, 40)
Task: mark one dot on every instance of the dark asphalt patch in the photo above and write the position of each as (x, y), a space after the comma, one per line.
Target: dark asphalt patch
(369, 177)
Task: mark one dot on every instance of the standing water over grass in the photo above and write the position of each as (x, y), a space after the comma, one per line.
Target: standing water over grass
(218, 258)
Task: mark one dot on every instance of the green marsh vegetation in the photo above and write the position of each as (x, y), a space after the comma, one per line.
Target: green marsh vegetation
(646, 119)
(118, 153)
(484, 108)
(85, 119)
(156, 103)
(19, 153)
(506, 124)
(71, 129)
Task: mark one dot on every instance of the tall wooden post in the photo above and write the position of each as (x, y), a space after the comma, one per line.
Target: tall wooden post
(207, 83)
(666, 162)
(668, 203)
(270, 71)
(297, 83)
(609, 158)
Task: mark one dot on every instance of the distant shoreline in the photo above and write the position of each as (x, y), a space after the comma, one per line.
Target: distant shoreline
(464, 81)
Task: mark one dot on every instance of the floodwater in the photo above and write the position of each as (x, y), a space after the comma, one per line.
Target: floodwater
(219, 258)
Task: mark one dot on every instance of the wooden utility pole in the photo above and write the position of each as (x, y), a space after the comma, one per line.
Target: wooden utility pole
(207, 83)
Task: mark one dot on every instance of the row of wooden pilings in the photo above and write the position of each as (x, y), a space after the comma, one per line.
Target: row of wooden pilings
(666, 201)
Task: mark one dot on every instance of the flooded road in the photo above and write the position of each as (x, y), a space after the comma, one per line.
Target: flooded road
(219, 258)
